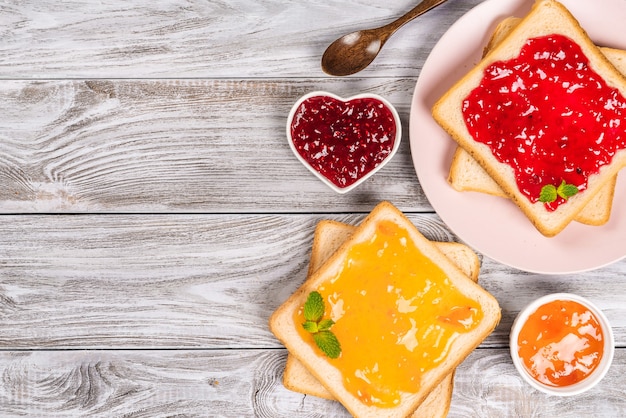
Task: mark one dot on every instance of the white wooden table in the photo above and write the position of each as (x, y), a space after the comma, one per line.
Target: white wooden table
(153, 215)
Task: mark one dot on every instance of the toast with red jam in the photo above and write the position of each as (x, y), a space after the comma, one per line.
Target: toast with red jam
(467, 175)
(543, 113)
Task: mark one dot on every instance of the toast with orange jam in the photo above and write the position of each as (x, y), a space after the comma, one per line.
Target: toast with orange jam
(329, 235)
(403, 316)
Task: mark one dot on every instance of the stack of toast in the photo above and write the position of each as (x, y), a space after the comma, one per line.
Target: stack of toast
(309, 371)
(475, 168)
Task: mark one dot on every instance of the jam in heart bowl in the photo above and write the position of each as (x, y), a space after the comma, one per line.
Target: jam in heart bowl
(343, 141)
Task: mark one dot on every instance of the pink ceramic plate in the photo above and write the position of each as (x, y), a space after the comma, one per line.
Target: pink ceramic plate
(495, 226)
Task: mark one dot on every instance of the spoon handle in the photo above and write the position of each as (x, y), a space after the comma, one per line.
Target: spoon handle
(421, 8)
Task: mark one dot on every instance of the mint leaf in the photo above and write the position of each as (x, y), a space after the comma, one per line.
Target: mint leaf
(548, 194)
(325, 324)
(566, 190)
(314, 307)
(311, 327)
(318, 327)
(328, 343)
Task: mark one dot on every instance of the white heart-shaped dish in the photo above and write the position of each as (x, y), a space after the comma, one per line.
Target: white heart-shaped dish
(343, 141)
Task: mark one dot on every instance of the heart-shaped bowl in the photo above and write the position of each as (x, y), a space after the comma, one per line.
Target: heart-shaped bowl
(343, 141)
(562, 344)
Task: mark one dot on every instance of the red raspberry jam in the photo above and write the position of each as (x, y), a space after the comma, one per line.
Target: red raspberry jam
(548, 115)
(343, 140)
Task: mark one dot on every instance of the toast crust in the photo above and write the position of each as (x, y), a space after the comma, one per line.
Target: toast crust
(283, 326)
(546, 17)
(328, 237)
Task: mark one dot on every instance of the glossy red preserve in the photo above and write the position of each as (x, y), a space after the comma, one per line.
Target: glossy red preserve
(548, 115)
(343, 141)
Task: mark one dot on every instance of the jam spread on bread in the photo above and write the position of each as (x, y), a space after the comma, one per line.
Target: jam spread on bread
(396, 314)
(561, 343)
(343, 140)
(548, 115)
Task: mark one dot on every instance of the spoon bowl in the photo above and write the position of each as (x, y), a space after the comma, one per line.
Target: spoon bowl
(352, 52)
(355, 51)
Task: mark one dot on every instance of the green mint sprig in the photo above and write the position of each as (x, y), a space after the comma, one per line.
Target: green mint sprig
(320, 328)
(549, 192)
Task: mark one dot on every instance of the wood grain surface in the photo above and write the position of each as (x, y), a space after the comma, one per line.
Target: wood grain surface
(201, 39)
(169, 281)
(235, 383)
(152, 215)
(177, 146)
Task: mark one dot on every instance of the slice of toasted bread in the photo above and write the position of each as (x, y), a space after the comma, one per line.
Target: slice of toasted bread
(546, 18)
(467, 175)
(284, 322)
(329, 235)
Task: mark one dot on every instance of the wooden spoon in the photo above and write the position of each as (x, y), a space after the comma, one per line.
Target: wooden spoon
(353, 52)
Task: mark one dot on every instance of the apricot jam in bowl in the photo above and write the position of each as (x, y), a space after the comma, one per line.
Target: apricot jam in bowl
(343, 141)
(562, 344)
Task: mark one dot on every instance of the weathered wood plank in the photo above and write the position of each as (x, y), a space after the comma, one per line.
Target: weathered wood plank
(487, 385)
(138, 384)
(173, 39)
(207, 281)
(178, 146)
(246, 383)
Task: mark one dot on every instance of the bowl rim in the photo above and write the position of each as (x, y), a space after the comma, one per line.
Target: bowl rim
(319, 175)
(590, 381)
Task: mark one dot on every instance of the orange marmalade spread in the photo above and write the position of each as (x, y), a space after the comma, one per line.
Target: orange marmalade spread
(396, 315)
(561, 343)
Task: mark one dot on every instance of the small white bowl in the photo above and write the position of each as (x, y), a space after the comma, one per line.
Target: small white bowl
(585, 384)
(326, 181)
